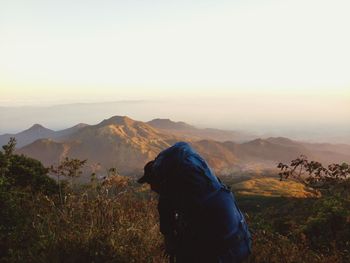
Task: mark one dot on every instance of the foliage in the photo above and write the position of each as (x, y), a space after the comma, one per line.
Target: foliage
(24, 172)
(93, 225)
(109, 221)
(330, 180)
(68, 168)
(283, 230)
(327, 224)
(21, 178)
(116, 220)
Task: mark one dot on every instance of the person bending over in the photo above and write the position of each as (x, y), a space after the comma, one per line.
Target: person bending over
(199, 217)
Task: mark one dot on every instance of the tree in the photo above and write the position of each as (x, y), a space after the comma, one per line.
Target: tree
(21, 179)
(328, 223)
(329, 180)
(5, 156)
(25, 172)
(69, 167)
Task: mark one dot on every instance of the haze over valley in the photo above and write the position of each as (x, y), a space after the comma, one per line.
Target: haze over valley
(252, 117)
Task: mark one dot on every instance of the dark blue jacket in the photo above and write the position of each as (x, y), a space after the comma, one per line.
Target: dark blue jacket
(189, 188)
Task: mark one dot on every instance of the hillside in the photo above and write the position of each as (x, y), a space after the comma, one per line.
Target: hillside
(28, 136)
(46, 150)
(116, 142)
(272, 187)
(37, 132)
(190, 132)
(217, 155)
(116, 219)
(270, 150)
(128, 144)
(167, 124)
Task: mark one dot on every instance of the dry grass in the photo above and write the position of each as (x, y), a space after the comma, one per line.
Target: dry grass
(272, 187)
(272, 247)
(111, 223)
(118, 222)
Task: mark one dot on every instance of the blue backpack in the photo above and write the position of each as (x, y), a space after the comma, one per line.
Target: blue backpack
(215, 222)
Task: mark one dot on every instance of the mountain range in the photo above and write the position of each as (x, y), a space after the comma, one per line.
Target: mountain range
(38, 131)
(127, 145)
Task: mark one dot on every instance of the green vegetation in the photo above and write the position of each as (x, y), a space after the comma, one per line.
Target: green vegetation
(116, 220)
(41, 221)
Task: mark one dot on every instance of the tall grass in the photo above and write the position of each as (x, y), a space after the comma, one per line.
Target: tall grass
(108, 223)
(117, 221)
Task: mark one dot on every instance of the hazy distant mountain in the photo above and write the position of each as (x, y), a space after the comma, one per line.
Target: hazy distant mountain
(201, 112)
(28, 136)
(271, 149)
(38, 131)
(192, 133)
(324, 152)
(328, 147)
(223, 156)
(127, 144)
(282, 141)
(217, 154)
(66, 132)
(167, 124)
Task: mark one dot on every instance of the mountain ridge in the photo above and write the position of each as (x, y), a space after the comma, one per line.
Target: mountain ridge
(169, 124)
(128, 144)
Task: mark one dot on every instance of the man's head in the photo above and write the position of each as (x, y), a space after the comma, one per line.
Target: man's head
(149, 177)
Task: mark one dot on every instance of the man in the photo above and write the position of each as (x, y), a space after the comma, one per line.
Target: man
(199, 217)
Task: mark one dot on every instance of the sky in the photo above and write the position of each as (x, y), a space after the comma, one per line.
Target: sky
(268, 59)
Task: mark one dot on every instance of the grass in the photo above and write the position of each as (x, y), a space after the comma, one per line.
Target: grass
(118, 222)
(273, 187)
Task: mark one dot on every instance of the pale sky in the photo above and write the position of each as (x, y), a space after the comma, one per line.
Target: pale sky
(263, 55)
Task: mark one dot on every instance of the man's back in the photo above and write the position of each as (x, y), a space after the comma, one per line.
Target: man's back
(191, 196)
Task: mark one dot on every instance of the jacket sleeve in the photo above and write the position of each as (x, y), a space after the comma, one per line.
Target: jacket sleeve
(166, 216)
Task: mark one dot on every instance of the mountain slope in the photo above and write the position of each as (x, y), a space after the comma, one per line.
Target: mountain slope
(35, 132)
(116, 142)
(167, 124)
(190, 132)
(260, 149)
(268, 186)
(67, 132)
(217, 154)
(46, 150)
(128, 144)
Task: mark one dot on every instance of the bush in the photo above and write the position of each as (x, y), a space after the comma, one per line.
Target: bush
(117, 221)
